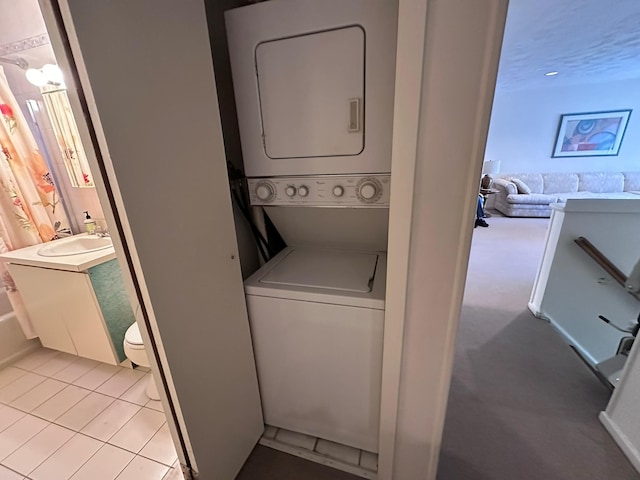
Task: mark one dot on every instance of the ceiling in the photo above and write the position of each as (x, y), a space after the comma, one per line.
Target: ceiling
(587, 41)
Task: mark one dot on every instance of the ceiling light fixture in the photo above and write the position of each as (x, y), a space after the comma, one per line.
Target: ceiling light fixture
(551, 74)
(47, 75)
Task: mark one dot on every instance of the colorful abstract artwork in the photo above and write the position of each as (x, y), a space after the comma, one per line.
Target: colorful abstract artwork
(591, 134)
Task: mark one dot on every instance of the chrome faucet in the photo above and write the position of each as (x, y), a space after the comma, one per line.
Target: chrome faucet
(64, 232)
(100, 232)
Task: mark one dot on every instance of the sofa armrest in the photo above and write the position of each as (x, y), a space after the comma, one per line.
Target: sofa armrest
(505, 187)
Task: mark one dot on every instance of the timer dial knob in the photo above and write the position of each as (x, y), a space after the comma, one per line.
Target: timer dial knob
(265, 191)
(338, 191)
(303, 191)
(369, 190)
(290, 191)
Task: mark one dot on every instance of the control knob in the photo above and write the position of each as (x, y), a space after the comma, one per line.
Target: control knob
(290, 191)
(338, 191)
(265, 191)
(369, 190)
(303, 191)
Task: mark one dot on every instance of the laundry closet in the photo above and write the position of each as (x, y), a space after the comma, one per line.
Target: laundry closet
(314, 90)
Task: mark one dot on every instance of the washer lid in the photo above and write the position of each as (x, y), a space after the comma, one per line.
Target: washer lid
(333, 270)
(133, 336)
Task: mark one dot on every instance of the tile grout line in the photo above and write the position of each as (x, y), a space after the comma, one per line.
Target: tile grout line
(103, 444)
(12, 470)
(36, 467)
(12, 423)
(40, 364)
(27, 391)
(19, 446)
(50, 398)
(94, 390)
(147, 443)
(77, 386)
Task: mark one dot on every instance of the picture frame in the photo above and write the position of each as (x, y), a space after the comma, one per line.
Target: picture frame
(593, 134)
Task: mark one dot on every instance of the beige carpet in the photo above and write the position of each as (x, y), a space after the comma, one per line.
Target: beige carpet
(522, 405)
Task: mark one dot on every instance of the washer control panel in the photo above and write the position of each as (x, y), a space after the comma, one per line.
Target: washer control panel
(321, 191)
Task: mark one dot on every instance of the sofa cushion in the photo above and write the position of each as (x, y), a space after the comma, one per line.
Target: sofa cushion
(506, 184)
(532, 199)
(559, 183)
(532, 180)
(522, 187)
(631, 181)
(601, 182)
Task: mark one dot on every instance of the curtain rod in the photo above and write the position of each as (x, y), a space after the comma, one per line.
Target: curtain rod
(18, 62)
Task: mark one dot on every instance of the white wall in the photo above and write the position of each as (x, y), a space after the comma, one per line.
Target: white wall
(20, 20)
(524, 125)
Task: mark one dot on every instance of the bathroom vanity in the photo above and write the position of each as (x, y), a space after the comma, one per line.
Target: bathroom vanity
(74, 294)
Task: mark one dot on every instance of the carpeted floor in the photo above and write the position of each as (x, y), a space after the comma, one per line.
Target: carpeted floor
(522, 405)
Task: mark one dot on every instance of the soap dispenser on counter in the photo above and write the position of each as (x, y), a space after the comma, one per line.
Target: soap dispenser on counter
(89, 224)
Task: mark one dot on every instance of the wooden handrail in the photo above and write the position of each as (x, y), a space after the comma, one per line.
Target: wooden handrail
(604, 262)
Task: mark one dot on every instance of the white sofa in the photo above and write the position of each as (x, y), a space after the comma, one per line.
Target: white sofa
(548, 188)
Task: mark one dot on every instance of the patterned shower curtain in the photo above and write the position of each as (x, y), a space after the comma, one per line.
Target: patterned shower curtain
(64, 126)
(30, 212)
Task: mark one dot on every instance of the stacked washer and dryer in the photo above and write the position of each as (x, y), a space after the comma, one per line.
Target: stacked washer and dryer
(314, 86)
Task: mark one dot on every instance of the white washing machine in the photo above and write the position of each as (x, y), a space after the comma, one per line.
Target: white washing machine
(317, 319)
(317, 308)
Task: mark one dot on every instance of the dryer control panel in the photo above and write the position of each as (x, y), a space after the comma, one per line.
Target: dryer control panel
(321, 191)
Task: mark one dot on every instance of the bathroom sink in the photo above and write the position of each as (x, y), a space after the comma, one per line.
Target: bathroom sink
(75, 246)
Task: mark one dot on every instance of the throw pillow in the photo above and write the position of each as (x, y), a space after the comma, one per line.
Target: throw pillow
(521, 186)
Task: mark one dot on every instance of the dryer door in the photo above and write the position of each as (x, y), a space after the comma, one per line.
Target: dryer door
(314, 85)
(312, 94)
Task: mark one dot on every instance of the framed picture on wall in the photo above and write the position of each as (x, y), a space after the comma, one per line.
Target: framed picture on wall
(595, 134)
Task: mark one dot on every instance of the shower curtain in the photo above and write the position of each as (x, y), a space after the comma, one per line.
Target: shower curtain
(29, 201)
(64, 126)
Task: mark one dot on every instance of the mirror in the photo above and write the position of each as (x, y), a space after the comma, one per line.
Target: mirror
(68, 138)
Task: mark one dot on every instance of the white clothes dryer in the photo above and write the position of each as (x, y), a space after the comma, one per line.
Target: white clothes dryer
(314, 85)
(317, 319)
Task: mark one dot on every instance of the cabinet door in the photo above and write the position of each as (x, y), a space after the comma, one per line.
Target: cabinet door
(44, 305)
(312, 94)
(64, 311)
(85, 322)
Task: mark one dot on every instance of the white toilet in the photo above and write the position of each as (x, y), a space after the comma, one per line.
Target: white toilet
(134, 350)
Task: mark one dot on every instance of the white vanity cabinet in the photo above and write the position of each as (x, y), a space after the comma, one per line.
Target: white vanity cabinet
(64, 311)
(77, 303)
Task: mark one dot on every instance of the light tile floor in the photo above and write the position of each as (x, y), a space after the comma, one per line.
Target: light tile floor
(63, 417)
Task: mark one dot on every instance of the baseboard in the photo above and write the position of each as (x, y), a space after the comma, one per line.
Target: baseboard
(269, 439)
(630, 451)
(533, 308)
(10, 360)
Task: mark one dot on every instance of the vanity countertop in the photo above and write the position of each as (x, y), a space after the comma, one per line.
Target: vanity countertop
(72, 263)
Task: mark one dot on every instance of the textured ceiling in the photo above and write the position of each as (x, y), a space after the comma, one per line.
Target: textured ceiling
(587, 41)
